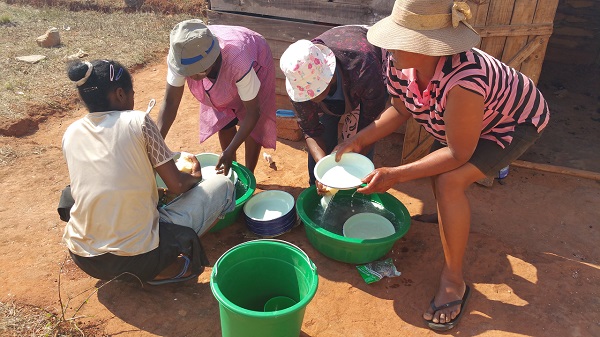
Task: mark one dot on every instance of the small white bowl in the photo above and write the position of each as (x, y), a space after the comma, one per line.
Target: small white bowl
(345, 174)
(368, 226)
(208, 162)
(269, 205)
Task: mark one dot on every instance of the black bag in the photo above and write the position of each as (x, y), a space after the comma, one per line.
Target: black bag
(65, 203)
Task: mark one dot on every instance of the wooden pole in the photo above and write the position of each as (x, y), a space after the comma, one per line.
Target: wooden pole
(557, 169)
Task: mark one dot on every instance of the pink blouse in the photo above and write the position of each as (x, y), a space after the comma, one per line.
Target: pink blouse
(241, 50)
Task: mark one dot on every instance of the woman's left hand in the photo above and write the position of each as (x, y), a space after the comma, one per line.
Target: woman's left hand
(379, 181)
(165, 197)
(348, 145)
(225, 160)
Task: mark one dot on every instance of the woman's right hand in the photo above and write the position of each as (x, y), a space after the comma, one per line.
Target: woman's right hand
(380, 180)
(321, 189)
(225, 161)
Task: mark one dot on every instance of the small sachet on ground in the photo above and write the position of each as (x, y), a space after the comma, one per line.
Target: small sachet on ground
(375, 271)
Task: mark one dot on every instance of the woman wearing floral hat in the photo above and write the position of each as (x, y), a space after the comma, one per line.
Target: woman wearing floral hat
(230, 71)
(482, 113)
(328, 78)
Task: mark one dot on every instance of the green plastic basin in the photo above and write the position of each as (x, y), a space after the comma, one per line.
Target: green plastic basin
(244, 188)
(350, 250)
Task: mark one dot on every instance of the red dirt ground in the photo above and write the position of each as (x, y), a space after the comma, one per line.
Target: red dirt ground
(533, 256)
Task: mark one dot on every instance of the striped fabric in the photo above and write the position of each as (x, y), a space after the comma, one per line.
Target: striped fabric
(510, 98)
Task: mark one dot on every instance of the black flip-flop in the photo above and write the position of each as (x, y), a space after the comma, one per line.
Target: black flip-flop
(427, 218)
(177, 278)
(447, 326)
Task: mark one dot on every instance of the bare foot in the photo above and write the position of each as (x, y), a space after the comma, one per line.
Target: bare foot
(447, 293)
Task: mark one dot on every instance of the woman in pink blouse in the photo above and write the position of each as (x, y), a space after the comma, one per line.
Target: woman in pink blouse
(231, 73)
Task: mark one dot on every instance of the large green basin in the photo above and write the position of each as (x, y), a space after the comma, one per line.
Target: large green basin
(350, 250)
(244, 188)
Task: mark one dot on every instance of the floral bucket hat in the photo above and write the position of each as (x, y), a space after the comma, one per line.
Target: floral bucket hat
(308, 69)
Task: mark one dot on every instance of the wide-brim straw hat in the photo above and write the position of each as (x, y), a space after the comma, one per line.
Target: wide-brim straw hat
(428, 27)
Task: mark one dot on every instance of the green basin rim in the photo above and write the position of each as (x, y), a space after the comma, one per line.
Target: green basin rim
(400, 232)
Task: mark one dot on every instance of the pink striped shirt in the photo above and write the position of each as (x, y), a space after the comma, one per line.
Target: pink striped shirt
(510, 98)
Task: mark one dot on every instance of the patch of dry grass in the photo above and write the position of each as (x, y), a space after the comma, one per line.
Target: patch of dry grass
(131, 37)
(7, 155)
(20, 320)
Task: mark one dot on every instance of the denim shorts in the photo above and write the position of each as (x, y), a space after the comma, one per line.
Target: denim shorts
(489, 157)
(202, 205)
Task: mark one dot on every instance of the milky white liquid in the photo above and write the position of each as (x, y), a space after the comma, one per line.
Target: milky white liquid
(208, 172)
(338, 176)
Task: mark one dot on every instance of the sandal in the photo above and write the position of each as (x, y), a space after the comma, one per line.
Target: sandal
(177, 278)
(447, 326)
(428, 218)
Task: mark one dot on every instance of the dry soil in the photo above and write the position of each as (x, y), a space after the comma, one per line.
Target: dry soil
(533, 258)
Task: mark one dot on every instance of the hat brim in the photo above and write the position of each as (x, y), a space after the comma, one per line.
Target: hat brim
(439, 42)
(194, 68)
(298, 96)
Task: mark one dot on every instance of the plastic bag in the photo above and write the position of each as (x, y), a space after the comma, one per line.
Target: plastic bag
(375, 271)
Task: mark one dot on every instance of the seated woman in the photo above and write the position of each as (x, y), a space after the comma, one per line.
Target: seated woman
(114, 226)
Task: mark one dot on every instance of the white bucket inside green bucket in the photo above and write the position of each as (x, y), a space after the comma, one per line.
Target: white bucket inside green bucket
(250, 274)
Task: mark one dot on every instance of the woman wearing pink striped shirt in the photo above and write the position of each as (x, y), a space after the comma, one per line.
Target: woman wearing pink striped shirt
(482, 114)
(230, 71)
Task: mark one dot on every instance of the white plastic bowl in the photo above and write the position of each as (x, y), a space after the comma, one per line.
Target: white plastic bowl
(269, 205)
(208, 162)
(345, 174)
(368, 226)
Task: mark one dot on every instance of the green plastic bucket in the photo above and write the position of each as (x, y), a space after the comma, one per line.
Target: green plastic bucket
(244, 188)
(250, 274)
(350, 250)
